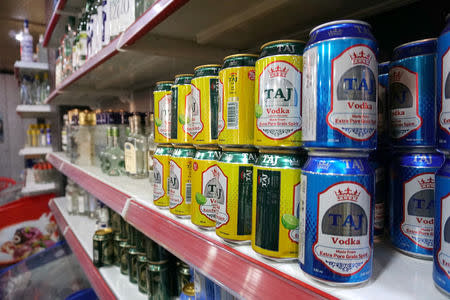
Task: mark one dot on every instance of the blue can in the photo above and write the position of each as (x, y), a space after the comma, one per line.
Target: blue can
(412, 202)
(412, 94)
(441, 267)
(339, 89)
(378, 163)
(336, 217)
(443, 87)
(204, 287)
(383, 84)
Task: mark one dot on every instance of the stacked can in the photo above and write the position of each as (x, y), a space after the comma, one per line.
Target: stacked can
(202, 126)
(235, 166)
(339, 129)
(162, 99)
(181, 160)
(277, 131)
(413, 136)
(441, 265)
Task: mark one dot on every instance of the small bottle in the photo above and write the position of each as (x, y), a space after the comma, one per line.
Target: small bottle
(136, 151)
(115, 157)
(151, 142)
(106, 36)
(26, 44)
(72, 145)
(74, 199)
(41, 50)
(92, 206)
(36, 90)
(44, 89)
(84, 140)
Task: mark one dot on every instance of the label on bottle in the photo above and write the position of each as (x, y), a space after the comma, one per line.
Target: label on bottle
(130, 158)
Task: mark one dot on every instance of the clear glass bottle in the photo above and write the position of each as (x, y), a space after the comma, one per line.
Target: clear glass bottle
(116, 156)
(136, 150)
(45, 89)
(82, 39)
(69, 192)
(83, 202)
(100, 137)
(123, 128)
(42, 136)
(48, 135)
(71, 133)
(151, 142)
(26, 44)
(41, 50)
(64, 133)
(36, 90)
(84, 140)
(92, 14)
(104, 162)
(75, 198)
(102, 216)
(92, 206)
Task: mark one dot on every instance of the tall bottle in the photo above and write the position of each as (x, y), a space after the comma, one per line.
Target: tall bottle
(41, 50)
(116, 156)
(136, 150)
(26, 44)
(45, 88)
(82, 40)
(104, 162)
(84, 140)
(151, 141)
(71, 133)
(106, 9)
(98, 21)
(64, 133)
(91, 13)
(100, 139)
(68, 46)
(36, 90)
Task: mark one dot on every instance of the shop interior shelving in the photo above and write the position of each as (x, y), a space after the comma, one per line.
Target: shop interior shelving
(35, 111)
(396, 276)
(34, 151)
(31, 187)
(30, 68)
(174, 36)
(107, 282)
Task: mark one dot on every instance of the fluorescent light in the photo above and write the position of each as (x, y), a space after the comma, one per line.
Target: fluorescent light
(19, 36)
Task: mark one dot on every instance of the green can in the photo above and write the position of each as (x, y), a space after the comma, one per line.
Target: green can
(103, 254)
(136, 239)
(117, 241)
(132, 264)
(183, 276)
(124, 247)
(276, 198)
(154, 252)
(158, 281)
(181, 96)
(123, 228)
(142, 273)
(161, 171)
(114, 220)
(234, 206)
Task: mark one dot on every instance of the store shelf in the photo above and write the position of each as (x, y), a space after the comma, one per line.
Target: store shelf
(34, 111)
(33, 151)
(395, 276)
(28, 68)
(174, 36)
(33, 188)
(78, 231)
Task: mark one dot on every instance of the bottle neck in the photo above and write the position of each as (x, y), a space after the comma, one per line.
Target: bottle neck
(114, 141)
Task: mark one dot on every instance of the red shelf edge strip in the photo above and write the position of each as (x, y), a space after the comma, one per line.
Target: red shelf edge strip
(53, 21)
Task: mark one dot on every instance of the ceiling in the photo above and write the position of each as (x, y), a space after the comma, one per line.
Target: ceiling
(12, 15)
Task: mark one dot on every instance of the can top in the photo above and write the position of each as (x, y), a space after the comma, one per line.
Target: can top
(186, 146)
(208, 148)
(415, 48)
(282, 47)
(240, 60)
(207, 70)
(278, 151)
(424, 160)
(338, 154)
(142, 258)
(165, 146)
(124, 244)
(184, 75)
(238, 149)
(133, 251)
(340, 29)
(158, 266)
(103, 231)
(281, 42)
(189, 289)
(163, 86)
(383, 68)
(183, 79)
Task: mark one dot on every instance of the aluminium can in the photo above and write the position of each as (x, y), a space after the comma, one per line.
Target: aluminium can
(234, 206)
(377, 162)
(204, 287)
(117, 241)
(204, 106)
(236, 100)
(180, 181)
(412, 94)
(441, 264)
(158, 281)
(162, 99)
(154, 252)
(181, 99)
(123, 255)
(161, 172)
(103, 247)
(278, 95)
(276, 192)
(142, 273)
(340, 86)
(412, 183)
(336, 229)
(132, 259)
(383, 84)
(205, 188)
(443, 88)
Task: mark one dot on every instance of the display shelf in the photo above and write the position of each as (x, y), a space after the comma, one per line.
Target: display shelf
(33, 151)
(33, 188)
(395, 276)
(34, 111)
(174, 36)
(107, 282)
(28, 68)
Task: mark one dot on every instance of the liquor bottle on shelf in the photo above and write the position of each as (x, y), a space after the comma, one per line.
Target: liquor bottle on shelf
(41, 50)
(26, 44)
(58, 67)
(91, 12)
(71, 134)
(92, 206)
(83, 202)
(106, 9)
(123, 128)
(136, 150)
(42, 136)
(104, 162)
(36, 90)
(44, 89)
(115, 155)
(69, 196)
(151, 142)
(100, 139)
(84, 139)
(64, 133)
(82, 41)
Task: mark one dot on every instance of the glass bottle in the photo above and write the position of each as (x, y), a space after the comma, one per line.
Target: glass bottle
(26, 44)
(83, 202)
(84, 140)
(69, 192)
(36, 90)
(71, 133)
(136, 150)
(123, 128)
(151, 142)
(115, 155)
(42, 136)
(100, 141)
(48, 135)
(74, 200)
(92, 13)
(41, 50)
(104, 162)
(82, 39)
(44, 89)
(92, 206)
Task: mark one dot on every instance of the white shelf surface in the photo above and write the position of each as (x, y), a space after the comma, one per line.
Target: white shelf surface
(395, 275)
(83, 228)
(25, 66)
(33, 188)
(28, 151)
(34, 111)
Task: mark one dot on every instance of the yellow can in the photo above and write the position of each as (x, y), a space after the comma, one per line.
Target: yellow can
(162, 101)
(236, 100)
(278, 95)
(161, 171)
(204, 106)
(181, 94)
(180, 181)
(205, 187)
(275, 207)
(234, 205)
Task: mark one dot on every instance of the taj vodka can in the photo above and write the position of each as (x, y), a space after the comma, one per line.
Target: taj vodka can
(340, 75)
(336, 217)
(443, 87)
(412, 94)
(383, 84)
(441, 267)
(411, 191)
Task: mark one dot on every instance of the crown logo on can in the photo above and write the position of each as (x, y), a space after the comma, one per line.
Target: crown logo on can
(427, 183)
(361, 58)
(278, 72)
(347, 195)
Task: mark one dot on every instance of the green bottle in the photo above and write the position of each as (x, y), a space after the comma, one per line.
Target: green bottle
(105, 163)
(115, 155)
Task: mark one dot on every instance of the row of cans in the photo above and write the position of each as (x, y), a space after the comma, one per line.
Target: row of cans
(327, 93)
